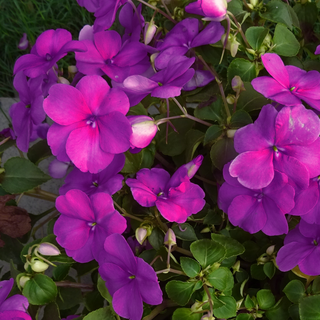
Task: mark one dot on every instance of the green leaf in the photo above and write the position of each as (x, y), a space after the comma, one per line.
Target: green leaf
(278, 12)
(266, 299)
(156, 238)
(214, 111)
(306, 12)
(7, 145)
(51, 312)
(294, 290)
(137, 110)
(257, 272)
(316, 285)
(40, 290)
(232, 246)
(280, 310)
(221, 279)
(68, 297)
(184, 231)
(194, 138)
(269, 269)
(309, 308)
(207, 251)
(22, 175)
(222, 152)
(228, 310)
(179, 291)
(240, 119)
(132, 163)
(103, 290)
(245, 69)
(212, 133)
(294, 312)
(244, 316)
(285, 43)
(236, 7)
(190, 267)
(249, 303)
(39, 151)
(255, 36)
(185, 314)
(100, 314)
(94, 300)
(60, 272)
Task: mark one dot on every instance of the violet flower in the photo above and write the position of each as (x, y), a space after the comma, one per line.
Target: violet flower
(260, 209)
(58, 169)
(85, 222)
(176, 198)
(23, 43)
(14, 307)
(287, 141)
(129, 279)
(107, 180)
(91, 126)
(301, 247)
(289, 84)
(50, 47)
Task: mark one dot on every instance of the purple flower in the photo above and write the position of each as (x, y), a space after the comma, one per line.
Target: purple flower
(129, 279)
(91, 126)
(90, 5)
(261, 209)
(301, 247)
(23, 43)
(14, 307)
(107, 180)
(286, 141)
(176, 198)
(51, 46)
(317, 50)
(85, 222)
(58, 169)
(289, 84)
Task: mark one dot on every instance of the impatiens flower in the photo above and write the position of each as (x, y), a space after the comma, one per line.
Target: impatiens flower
(301, 247)
(58, 169)
(129, 279)
(260, 209)
(50, 47)
(289, 84)
(91, 126)
(14, 307)
(107, 180)
(23, 43)
(85, 222)
(212, 10)
(287, 141)
(176, 198)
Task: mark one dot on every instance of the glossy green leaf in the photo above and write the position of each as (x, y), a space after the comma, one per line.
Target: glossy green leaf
(228, 310)
(266, 299)
(221, 279)
(68, 297)
(94, 300)
(244, 316)
(257, 272)
(137, 110)
(212, 134)
(279, 310)
(214, 111)
(190, 267)
(245, 69)
(179, 291)
(269, 269)
(185, 314)
(294, 290)
(316, 285)
(194, 139)
(103, 290)
(307, 12)
(100, 314)
(51, 312)
(249, 303)
(232, 246)
(184, 231)
(156, 238)
(39, 151)
(222, 152)
(294, 312)
(255, 36)
(284, 41)
(309, 308)
(60, 272)
(240, 119)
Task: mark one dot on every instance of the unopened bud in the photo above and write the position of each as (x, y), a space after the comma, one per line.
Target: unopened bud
(251, 51)
(63, 80)
(72, 69)
(23, 280)
(254, 2)
(23, 43)
(197, 307)
(149, 31)
(232, 44)
(263, 259)
(178, 13)
(237, 84)
(236, 267)
(38, 265)
(48, 249)
(170, 238)
(270, 250)
(208, 317)
(231, 98)
(142, 233)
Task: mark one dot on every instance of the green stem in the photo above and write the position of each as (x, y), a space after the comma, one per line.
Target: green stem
(209, 298)
(126, 214)
(167, 270)
(162, 225)
(239, 29)
(38, 196)
(205, 180)
(70, 284)
(165, 304)
(183, 251)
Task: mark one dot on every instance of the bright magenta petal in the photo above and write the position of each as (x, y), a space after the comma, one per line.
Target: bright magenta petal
(171, 211)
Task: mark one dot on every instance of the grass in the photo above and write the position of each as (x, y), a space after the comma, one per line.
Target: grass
(33, 17)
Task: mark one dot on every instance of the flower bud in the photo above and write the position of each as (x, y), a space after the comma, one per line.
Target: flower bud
(236, 267)
(143, 131)
(72, 69)
(142, 233)
(207, 317)
(197, 307)
(63, 80)
(270, 250)
(231, 98)
(48, 249)
(232, 44)
(254, 2)
(23, 43)
(170, 238)
(23, 280)
(237, 84)
(149, 31)
(38, 265)
(178, 13)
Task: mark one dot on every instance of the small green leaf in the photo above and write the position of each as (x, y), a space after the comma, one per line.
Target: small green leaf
(309, 308)
(39, 151)
(214, 111)
(306, 12)
(245, 69)
(221, 279)
(294, 312)
(100, 314)
(184, 231)
(232, 246)
(207, 251)
(179, 291)
(40, 290)
(222, 152)
(266, 299)
(269, 269)
(68, 297)
(60, 272)
(194, 138)
(244, 316)
(22, 175)
(255, 36)
(240, 119)
(137, 110)
(228, 310)
(190, 267)
(103, 290)
(285, 43)
(185, 314)
(294, 290)
(94, 300)
(156, 238)
(249, 303)
(212, 133)
(257, 272)
(316, 285)
(279, 310)
(51, 312)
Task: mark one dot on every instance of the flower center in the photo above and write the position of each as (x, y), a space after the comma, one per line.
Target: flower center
(48, 57)
(95, 183)
(132, 277)
(259, 196)
(315, 242)
(109, 62)
(28, 106)
(92, 225)
(91, 122)
(292, 89)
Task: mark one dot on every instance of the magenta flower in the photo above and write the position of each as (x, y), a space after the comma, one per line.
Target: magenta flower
(286, 141)
(107, 180)
(14, 307)
(50, 47)
(91, 126)
(289, 84)
(260, 209)
(85, 222)
(176, 198)
(129, 279)
(212, 10)
(301, 247)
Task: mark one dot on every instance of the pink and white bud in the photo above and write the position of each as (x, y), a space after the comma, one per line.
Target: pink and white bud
(237, 84)
(63, 80)
(48, 249)
(149, 31)
(142, 233)
(143, 131)
(23, 43)
(170, 238)
(193, 166)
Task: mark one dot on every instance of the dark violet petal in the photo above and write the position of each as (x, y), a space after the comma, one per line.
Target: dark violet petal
(227, 177)
(20, 83)
(83, 254)
(114, 276)
(90, 5)
(83, 148)
(29, 61)
(108, 43)
(308, 230)
(247, 213)
(58, 169)
(131, 54)
(5, 288)
(274, 65)
(254, 169)
(176, 68)
(310, 265)
(258, 135)
(142, 193)
(165, 56)
(211, 34)
(139, 84)
(156, 179)
(148, 283)
(296, 126)
(183, 79)
(166, 91)
(171, 211)
(77, 179)
(313, 215)
(115, 100)
(294, 235)
(200, 79)
(74, 46)
(311, 102)
(295, 74)
(195, 8)
(66, 105)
